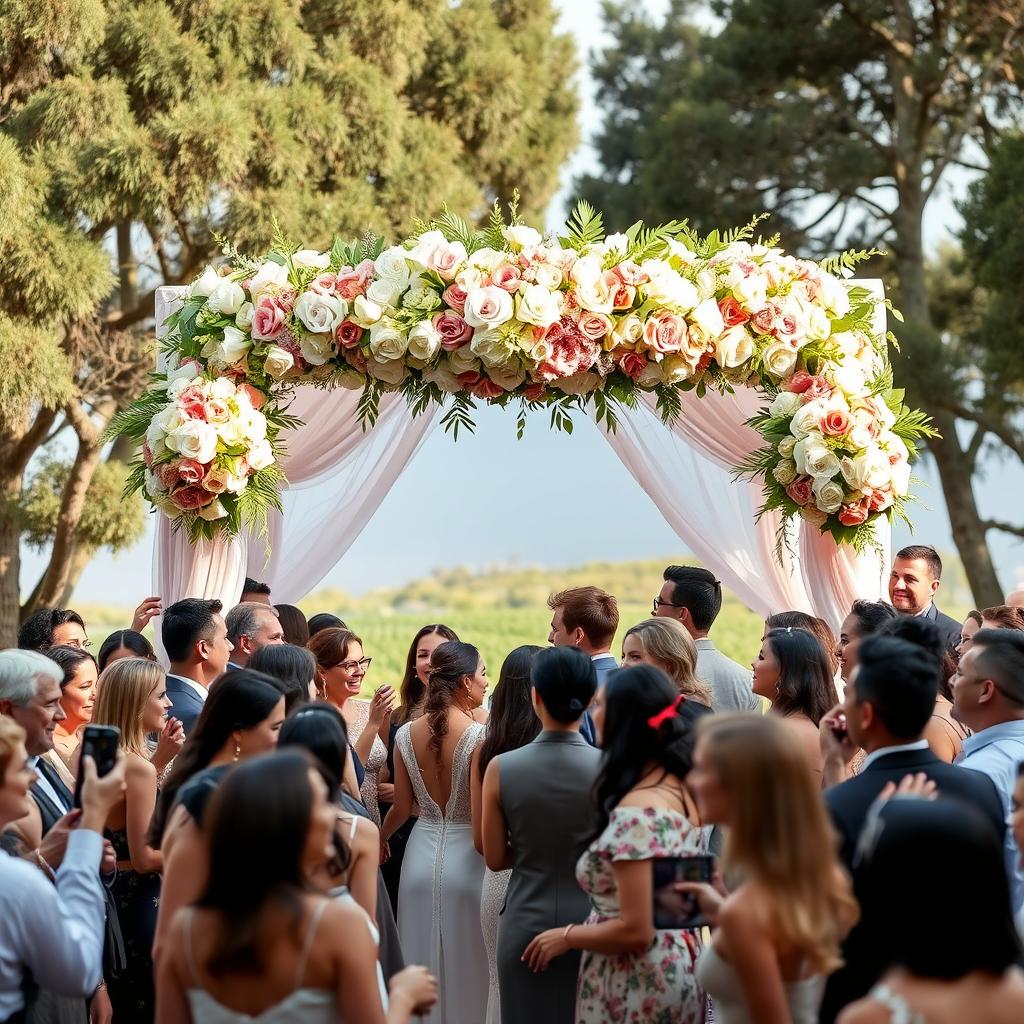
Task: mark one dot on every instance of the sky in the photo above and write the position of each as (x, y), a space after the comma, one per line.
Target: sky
(549, 499)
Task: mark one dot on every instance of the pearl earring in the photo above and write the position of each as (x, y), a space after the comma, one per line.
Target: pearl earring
(238, 750)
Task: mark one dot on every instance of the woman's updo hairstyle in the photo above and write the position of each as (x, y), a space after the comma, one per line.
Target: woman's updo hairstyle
(565, 680)
(450, 663)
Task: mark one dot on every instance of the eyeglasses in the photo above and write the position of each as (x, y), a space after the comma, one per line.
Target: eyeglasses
(79, 645)
(658, 603)
(351, 666)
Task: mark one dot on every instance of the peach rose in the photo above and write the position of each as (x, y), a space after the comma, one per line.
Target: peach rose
(256, 397)
(836, 422)
(629, 273)
(763, 321)
(800, 490)
(505, 277)
(594, 325)
(455, 295)
(633, 364)
(188, 499)
(352, 281)
(854, 515)
(665, 332)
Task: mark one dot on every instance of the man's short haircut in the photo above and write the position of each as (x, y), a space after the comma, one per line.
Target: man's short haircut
(36, 633)
(252, 586)
(900, 680)
(185, 623)
(1000, 658)
(927, 554)
(589, 609)
(697, 590)
(20, 672)
(243, 618)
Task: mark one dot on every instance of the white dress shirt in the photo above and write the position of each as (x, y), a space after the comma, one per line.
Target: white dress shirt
(54, 931)
(895, 749)
(200, 691)
(44, 785)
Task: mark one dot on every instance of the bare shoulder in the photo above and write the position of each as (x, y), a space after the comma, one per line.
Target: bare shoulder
(746, 909)
(137, 766)
(865, 1011)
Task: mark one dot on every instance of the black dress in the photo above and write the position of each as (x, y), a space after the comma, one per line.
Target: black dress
(391, 869)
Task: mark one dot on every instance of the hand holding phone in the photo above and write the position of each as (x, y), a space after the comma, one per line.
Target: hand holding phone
(676, 879)
(100, 742)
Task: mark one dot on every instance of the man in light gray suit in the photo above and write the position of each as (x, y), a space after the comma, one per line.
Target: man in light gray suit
(694, 597)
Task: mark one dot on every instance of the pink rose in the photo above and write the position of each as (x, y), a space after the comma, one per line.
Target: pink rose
(633, 364)
(665, 333)
(348, 334)
(190, 472)
(188, 499)
(594, 325)
(352, 282)
(854, 515)
(505, 277)
(799, 382)
(267, 320)
(192, 366)
(446, 259)
(192, 403)
(325, 284)
(167, 474)
(800, 490)
(147, 454)
(355, 358)
(454, 331)
(534, 392)
(571, 352)
(455, 296)
(763, 321)
(256, 397)
(486, 388)
(785, 327)
(818, 387)
(629, 273)
(835, 422)
(623, 296)
(880, 500)
(732, 312)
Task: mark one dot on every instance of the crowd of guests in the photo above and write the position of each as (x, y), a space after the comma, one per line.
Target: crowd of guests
(271, 845)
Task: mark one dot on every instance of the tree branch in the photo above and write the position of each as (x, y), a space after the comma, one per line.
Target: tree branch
(998, 524)
(992, 425)
(30, 441)
(144, 308)
(899, 46)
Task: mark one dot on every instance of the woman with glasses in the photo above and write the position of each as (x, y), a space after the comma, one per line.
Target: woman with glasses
(53, 627)
(341, 667)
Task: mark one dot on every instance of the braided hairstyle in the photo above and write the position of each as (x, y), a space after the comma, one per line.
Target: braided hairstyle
(450, 663)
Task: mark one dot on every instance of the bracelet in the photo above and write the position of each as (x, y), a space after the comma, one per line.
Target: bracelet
(41, 861)
(102, 986)
(568, 928)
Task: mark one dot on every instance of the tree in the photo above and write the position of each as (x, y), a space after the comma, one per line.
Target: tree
(132, 134)
(841, 120)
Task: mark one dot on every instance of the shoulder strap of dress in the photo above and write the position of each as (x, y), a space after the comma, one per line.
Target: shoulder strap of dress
(900, 1011)
(352, 827)
(186, 940)
(307, 946)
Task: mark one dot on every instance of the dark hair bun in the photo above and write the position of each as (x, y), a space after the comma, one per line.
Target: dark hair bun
(565, 680)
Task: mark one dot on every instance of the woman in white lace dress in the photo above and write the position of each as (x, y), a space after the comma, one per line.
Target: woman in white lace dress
(442, 874)
(341, 668)
(511, 725)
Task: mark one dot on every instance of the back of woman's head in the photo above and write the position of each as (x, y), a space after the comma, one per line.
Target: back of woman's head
(322, 621)
(411, 690)
(240, 699)
(256, 828)
(294, 668)
(779, 833)
(902, 875)
(128, 639)
(122, 691)
(1002, 616)
(69, 659)
(647, 721)
(293, 624)
(320, 729)
(512, 722)
(668, 643)
(806, 682)
(450, 664)
(565, 681)
(809, 624)
(870, 616)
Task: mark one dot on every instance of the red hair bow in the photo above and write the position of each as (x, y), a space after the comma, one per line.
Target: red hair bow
(665, 714)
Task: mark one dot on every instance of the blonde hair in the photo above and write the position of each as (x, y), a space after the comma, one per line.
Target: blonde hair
(123, 689)
(779, 834)
(11, 735)
(666, 641)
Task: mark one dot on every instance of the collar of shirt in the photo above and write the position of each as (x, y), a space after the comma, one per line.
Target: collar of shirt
(44, 783)
(703, 643)
(1004, 730)
(200, 691)
(603, 654)
(897, 749)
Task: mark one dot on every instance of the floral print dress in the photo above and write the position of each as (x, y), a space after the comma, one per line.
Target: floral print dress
(657, 986)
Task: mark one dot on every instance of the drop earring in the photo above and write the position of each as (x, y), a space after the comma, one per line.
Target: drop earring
(238, 750)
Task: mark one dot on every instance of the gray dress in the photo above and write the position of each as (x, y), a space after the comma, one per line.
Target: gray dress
(546, 795)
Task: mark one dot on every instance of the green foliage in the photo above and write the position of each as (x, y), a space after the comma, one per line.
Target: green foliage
(584, 227)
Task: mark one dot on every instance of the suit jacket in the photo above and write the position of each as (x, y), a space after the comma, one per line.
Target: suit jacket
(185, 702)
(50, 812)
(949, 628)
(603, 664)
(849, 803)
(730, 682)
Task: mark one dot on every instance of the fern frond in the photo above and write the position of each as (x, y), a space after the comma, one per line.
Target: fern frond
(584, 227)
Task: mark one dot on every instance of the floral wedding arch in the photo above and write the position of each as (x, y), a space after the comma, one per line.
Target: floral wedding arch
(505, 316)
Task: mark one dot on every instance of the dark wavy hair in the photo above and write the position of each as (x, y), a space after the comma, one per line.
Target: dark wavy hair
(68, 658)
(293, 624)
(872, 615)
(923, 633)
(411, 690)
(806, 682)
(36, 632)
(450, 663)
(512, 722)
(292, 668)
(240, 700)
(632, 696)
(809, 624)
(130, 640)
(264, 805)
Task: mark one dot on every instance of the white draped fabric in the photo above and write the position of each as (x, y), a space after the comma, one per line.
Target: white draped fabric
(338, 476)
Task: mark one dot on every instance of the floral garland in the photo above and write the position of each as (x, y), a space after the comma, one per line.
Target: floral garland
(506, 315)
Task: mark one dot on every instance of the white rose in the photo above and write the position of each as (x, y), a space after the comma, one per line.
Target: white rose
(260, 455)
(243, 318)
(586, 270)
(708, 317)
(617, 243)
(463, 360)
(817, 326)
(424, 341)
(194, 439)
(215, 510)
(443, 377)
(387, 342)
(365, 312)
(850, 377)
(786, 446)
(233, 348)
(486, 259)
(490, 347)
(227, 297)
(316, 349)
(667, 288)
(807, 418)
(581, 383)
(236, 482)
(707, 283)
(278, 362)
(547, 275)
(537, 305)
(393, 263)
(687, 257)
(154, 486)
(521, 236)
(900, 474)
(307, 259)
(749, 290)
(392, 371)
(507, 377)
(814, 458)
(488, 307)
(163, 423)
(785, 472)
(222, 388)
(469, 278)
(424, 247)
(204, 285)
(828, 495)
(270, 274)
(651, 376)
(350, 380)
(779, 360)
(676, 369)
(785, 403)
(319, 314)
(835, 296)
(385, 291)
(628, 331)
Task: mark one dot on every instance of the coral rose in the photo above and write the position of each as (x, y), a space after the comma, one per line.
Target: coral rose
(633, 364)
(854, 515)
(800, 490)
(188, 499)
(836, 422)
(799, 382)
(732, 312)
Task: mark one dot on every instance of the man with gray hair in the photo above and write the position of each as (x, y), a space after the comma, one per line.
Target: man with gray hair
(251, 627)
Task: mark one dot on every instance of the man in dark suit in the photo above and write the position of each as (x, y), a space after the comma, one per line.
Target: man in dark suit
(587, 618)
(916, 575)
(885, 711)
(195, 638)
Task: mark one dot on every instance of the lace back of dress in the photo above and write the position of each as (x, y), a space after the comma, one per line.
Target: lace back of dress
(429, 811)
(459, 805)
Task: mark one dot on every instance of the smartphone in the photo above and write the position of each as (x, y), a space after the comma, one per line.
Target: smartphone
(675, 910)
(100, 742)
(839, 729)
